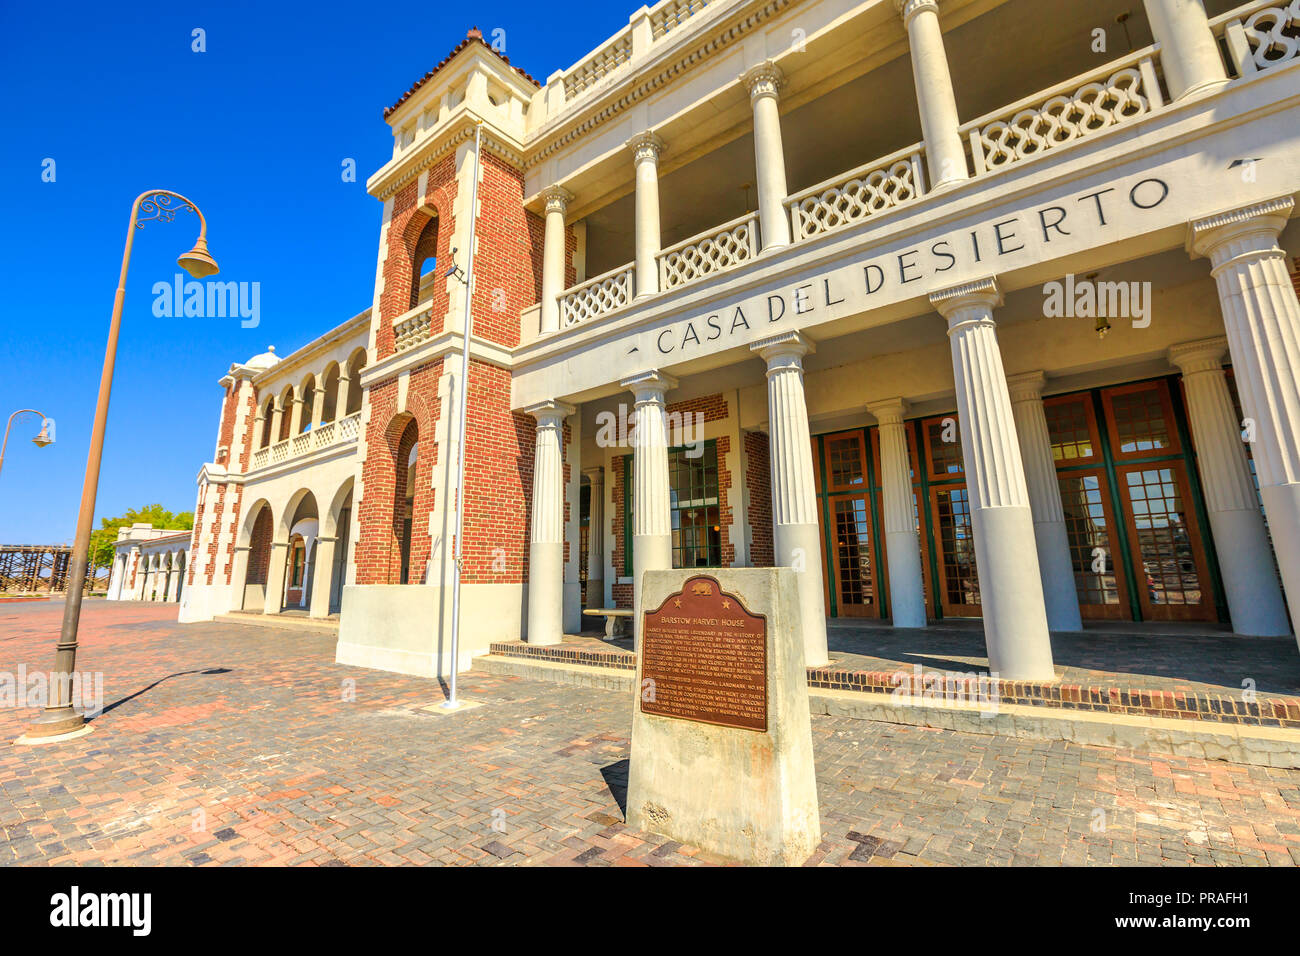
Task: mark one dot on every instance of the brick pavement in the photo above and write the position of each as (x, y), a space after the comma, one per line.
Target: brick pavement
(225, 744)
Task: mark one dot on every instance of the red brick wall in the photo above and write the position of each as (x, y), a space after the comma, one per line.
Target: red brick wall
(712, 407)
(508, 257)
(758, 479)
(378, 548)
(259, 555)
(622, 592)
(498, 481)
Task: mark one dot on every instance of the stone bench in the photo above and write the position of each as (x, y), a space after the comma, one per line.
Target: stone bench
(616, 620)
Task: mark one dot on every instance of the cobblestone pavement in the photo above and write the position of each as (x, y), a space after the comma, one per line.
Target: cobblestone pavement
(230, 744)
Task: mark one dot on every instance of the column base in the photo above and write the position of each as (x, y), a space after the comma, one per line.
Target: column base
(906, 591)
(799, 546)
(1056, 571)
(1249, 578)
(1282, 505)
(1011, 593)
(545, 594)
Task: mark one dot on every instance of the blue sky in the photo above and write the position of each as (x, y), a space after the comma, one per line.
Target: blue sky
(255, 131)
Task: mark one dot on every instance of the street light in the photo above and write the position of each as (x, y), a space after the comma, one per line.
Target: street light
(40, 441)
(60, 718)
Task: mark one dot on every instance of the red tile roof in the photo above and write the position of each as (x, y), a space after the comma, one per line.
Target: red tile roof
(473, 36)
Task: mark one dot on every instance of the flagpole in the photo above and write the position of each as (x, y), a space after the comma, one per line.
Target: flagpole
(451, 703)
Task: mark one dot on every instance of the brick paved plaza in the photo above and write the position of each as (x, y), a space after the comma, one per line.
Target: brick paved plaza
(229, 744)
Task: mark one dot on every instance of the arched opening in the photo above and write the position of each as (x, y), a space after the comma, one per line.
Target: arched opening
(330, 383)
(424, 258)
(286, 413)
(308, 392)
(338, 524)
(407, 481)
(303, 531)
(356, 362)
(259, 558)
(180, 576)
(268, 419)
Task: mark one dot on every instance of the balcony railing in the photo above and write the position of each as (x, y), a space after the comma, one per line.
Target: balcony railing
(413, 327)
(338, 432)
(604, 293)
(709, 253)
(1119, 92)
(1260, 36)
(599, 65)
(858, 195)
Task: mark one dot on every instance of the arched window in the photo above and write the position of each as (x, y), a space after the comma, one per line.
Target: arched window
(407, 481)
(355, 364)
(424, 258)
(268, 417)
(286, 413)
(308, 406)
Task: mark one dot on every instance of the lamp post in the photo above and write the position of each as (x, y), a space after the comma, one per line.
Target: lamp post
(40, 441)
(60, 718)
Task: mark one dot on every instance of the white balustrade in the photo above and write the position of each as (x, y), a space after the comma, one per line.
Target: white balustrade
(599, 65)
(604, 293)
(350, 427)
(857, 195)
(261, 457)
(327, 435)
(413, 327)
(671, 14)
(1117, 93)
(299, 444)
(709, 253)
(323, 435)
(1260, 36)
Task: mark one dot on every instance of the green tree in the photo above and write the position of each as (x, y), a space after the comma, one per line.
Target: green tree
(103, 538)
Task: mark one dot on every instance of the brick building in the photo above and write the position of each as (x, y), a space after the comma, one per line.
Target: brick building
(961, 308)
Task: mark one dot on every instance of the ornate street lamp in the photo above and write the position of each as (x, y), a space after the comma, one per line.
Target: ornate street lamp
(40, 441)
(60, 718)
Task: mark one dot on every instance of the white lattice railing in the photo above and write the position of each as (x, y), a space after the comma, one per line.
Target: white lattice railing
(325, 435)
(599, 65)
(413, 327)
(1260, 36)
(708, 253)
(1119, 92)
(671, 14)
(857, 195)
(604, 293)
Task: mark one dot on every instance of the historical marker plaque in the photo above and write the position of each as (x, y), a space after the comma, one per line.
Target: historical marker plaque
(705, 658)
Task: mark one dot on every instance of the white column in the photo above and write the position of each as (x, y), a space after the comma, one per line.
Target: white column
(239, 577)
(318, 404)
(275, 577)
(1261, 316)
(277, 416)
(764, 82)
(1011, 592)
(902, 543)
(1189, 53)
(546, 551)
(557, 204)
(341, 402)
(1055, 566)
(596, 537)
(1240, 539)
(796, 537)
(944, 152)
(322, 571)
(646, 148)
(295, 419)
(652, 531)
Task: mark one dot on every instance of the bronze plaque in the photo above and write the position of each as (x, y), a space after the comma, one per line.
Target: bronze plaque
(707, 658)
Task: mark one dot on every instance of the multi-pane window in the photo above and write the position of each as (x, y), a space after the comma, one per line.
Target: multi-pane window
(694, 503)
(1141, 421)
(960, 576)
(1069, 427)
(846, 462)
(944, 441)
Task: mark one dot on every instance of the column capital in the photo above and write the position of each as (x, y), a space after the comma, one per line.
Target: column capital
(649, 386)
(550, 411)
(889, 411)
(646, 147)
(557, 199)
(785, 346)
(763, 79)
(595, 475)
(1267, 218)
(1027, 386)
(955, 303)
(1203, 355)
(907, 9)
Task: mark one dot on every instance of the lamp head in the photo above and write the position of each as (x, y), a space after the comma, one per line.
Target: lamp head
(1103, 326)
(44, 438)
(197, 262)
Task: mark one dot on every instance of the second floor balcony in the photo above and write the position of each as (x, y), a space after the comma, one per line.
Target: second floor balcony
(787, 149)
